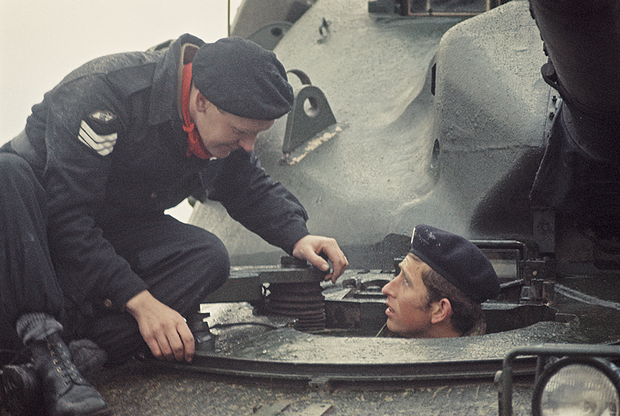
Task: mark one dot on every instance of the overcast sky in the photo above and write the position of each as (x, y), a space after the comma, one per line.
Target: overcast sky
(42, 41)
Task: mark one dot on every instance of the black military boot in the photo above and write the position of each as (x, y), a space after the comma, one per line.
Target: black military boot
(21, 391)
(65, 391)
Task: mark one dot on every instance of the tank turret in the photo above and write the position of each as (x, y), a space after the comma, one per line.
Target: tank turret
(442, 116)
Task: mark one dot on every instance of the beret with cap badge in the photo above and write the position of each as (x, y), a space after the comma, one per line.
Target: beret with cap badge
(242, 78)
(457, 260)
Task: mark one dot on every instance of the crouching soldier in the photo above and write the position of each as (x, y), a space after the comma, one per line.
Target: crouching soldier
(86, 249)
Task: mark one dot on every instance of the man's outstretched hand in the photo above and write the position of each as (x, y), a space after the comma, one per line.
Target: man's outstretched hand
(164, 329)
(311, 246)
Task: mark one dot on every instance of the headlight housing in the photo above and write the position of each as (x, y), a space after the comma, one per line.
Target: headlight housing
(584, 382)
(579, 386)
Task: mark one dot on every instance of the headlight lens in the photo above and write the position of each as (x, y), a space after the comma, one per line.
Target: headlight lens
(578, 387)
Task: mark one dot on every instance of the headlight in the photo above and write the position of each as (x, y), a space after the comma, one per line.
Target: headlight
(578, 386)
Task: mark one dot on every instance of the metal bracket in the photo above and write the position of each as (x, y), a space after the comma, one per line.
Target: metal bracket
(311, 114)
(269, 35)
(544, 230)
(537, 269)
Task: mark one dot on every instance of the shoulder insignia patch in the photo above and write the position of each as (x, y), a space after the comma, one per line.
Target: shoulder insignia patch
(102, 116)
(101, 143)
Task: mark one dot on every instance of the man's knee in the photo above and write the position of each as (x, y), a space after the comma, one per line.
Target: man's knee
(12, 166)
(196, 265)
(16, 175)
(215, 261)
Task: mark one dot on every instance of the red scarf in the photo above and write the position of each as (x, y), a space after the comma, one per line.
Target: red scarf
(195, 146)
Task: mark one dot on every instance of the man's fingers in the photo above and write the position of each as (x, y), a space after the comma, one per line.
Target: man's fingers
(164, 330)
(174, 344)
(339, 267)
(161, 348)
(154, 347)
(338, 259)
(177, 349)
(188, 343)
(309, 248)
(178, 343)
(317, 261)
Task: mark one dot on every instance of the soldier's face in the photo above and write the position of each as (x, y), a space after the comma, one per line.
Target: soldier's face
(408, 311)
(223, 133)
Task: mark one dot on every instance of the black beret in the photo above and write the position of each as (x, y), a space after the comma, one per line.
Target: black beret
(458, 260)
(242, 78)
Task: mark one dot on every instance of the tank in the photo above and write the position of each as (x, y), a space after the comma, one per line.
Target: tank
(494, 120)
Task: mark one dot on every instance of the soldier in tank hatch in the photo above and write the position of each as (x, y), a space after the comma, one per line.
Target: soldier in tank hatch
(442, 282)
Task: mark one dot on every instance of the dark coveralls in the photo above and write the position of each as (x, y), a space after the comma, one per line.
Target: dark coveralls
(82, 197)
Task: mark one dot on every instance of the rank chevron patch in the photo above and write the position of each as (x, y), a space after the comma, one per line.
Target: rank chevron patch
(101, 143)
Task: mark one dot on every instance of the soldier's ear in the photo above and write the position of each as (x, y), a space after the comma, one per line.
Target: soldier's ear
(441, 311)
(200, 101)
